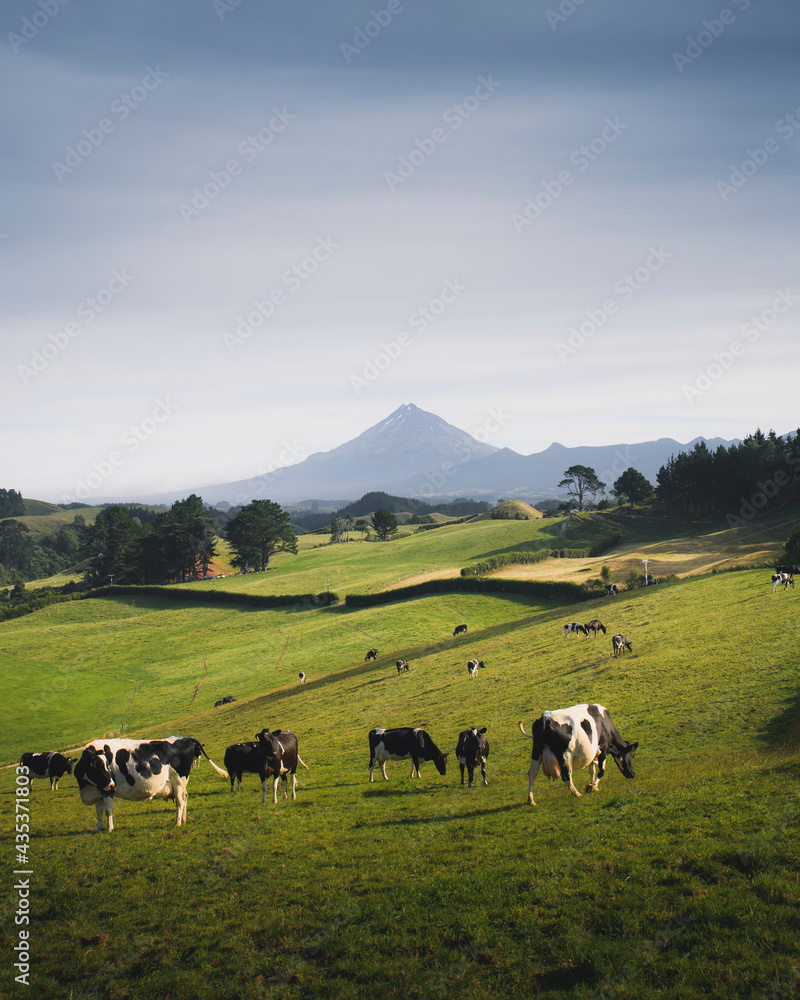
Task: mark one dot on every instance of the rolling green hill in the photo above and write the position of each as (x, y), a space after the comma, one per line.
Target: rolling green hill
(683, 882)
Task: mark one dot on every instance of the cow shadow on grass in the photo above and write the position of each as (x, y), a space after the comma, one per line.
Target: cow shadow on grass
(783, 731)
(458, 816)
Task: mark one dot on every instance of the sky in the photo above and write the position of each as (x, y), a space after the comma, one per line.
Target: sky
(235, 233)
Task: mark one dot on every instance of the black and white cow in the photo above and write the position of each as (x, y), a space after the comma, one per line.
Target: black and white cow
(471, 752)
(403, 744)
(782, 578)
(372, 654)
(280, 746)
(568, 739)
(619, 644)
(594, 626)
(302, 677)
(251, 757)
(460, 630)
(402, 667)
(473, 666)
(574, 627)
(139, 770)
(224, 701)
(49, 764)
(611, 589)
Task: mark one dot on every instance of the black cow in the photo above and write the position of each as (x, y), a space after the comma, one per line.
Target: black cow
(280, 746)
(460, 629)
(139, 770)
(224, 701)
(402, 666)
(471, 752)
(571, 738)
(251, 757)
(372, 654)
(402, 744)
(50, 765)
(594, 626)
(619, 644)
(791, 569)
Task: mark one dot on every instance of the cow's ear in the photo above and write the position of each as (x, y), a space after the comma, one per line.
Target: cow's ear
(633, 746)
(482, 731)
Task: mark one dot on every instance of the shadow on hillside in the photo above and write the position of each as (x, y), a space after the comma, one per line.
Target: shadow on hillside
(783, 731)
(424, 820)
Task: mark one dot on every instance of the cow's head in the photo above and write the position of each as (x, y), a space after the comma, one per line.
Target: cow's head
(441, 762)
(624, 757)
(93, 769)
(68, 762)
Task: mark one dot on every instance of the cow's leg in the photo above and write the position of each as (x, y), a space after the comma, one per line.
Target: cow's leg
(483, 770)
(105, 805)
(533, 770)
(594, 778)
(294, 785)
(181, 798)
(275, 782)
(461, 768)
(566, 774)
(54, 784)
(371, 766)
(383, 770)
(264, 790)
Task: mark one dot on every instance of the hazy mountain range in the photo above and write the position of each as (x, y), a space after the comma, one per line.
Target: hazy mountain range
(417, 454)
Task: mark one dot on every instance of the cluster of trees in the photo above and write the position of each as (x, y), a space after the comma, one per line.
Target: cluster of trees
(583, 487)
(25, 556)
(383, 523)
(378, 500)
(11, 504)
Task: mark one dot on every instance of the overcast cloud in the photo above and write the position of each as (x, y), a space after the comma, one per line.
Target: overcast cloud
(232, 226)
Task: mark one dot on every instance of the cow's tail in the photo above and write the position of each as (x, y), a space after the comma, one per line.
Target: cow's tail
(220, 772)
(528, 735)
(301, 762)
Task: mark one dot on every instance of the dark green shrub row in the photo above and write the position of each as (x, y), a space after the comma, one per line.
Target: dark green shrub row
(219, 596)
(525, 558)
(554, 591)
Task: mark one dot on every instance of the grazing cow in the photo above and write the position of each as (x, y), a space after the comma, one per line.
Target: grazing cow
(402, 744)
(460, 629)
(302, 677)
(574, 627)
(224, 701)
(619, 644)
(611, 589)
(471, 752)
(402, 666)
(280, 748)
(139, 770)
(595, 626)
(473, 666)
(372, 654)
(46, 765)
(568, 739)
(782, 578)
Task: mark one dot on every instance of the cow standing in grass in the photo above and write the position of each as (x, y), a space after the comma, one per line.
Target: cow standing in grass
(471, 752)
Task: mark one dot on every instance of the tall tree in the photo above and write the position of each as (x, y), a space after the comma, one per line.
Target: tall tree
(257, 532)
(632, 487)
(113, 543)
(582, 485)
(384, 523)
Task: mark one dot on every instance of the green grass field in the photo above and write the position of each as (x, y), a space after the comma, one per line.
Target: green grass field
(680, 883)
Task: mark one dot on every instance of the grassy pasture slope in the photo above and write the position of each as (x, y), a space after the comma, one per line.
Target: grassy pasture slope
(680, 883)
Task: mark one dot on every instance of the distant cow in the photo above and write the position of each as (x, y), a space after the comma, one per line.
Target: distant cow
(372, 654)
(594, 626)
(460, 629)
(569, 739)
(782, 578)
(49, 764)
(224, 701)
(619, 644)
(403, 744)
(790, 569)
(471, 752)
(473, 666)
(574, 627)
(139, 770)
(302, 677)
(280, 746)
(611, 589)
(402, 666)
